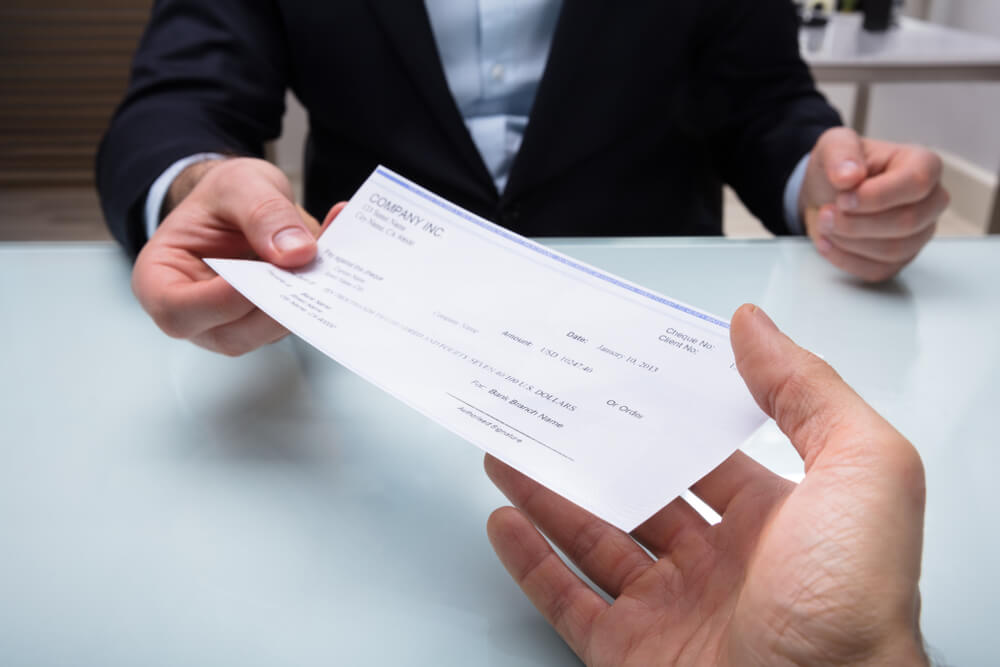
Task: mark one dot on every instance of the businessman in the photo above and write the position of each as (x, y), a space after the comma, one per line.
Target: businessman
(551, 118)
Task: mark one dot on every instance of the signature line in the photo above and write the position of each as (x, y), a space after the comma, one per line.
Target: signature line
(499, 421)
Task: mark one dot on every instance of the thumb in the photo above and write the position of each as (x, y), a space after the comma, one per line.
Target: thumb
(256, 197)
(277, 232)
(812, 405)
(842, 158)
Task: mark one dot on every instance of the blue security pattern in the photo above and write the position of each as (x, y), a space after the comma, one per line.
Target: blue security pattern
(542, 250)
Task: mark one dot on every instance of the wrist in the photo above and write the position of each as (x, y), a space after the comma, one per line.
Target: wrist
(793, 199)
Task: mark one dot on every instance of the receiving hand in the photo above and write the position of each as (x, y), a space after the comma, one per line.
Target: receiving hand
(869, 205)
(824, 572)
(239, 208)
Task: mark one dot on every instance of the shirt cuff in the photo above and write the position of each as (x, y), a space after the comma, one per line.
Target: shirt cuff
(158, 190)
(792, 189)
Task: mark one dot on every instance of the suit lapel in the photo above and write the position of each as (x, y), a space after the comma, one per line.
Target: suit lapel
(550, 143)
(409, 29)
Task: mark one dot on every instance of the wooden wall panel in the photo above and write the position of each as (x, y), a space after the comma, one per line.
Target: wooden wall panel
(63, 68)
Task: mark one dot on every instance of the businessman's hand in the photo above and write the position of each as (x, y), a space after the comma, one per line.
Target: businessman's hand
(870, 206)
(231, 208)
(820, 573)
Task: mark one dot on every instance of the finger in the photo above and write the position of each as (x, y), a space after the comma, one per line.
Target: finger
(276, 232)
(911, 175)
(842, 158)
(736, 476)
(895, 251)
(183, 307)
(255, 197)
(332, 214)
(242, 336)
(868, 270)
(898, 222)
(811, 404)
(566, 602)
(672, 529)
(608, 556)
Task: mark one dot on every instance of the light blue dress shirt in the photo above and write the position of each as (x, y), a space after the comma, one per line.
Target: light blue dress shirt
(494, 53)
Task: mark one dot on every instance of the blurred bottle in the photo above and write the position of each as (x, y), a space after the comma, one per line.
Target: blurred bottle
(800, 10)
(878, 15)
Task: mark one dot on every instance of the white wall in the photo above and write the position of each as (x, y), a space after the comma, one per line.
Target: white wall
(289, 149)
(981, 16)
(959, 118)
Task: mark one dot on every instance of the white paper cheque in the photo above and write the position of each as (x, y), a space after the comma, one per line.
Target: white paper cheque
(609, 394)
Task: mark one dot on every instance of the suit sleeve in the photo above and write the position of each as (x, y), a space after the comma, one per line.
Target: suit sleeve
(757, 101)
(207, 77)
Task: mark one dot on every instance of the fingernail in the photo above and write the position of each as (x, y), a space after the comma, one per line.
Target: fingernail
(847, 168)
(826, 221)
(291, 239)
(823, 245)
(847, 201)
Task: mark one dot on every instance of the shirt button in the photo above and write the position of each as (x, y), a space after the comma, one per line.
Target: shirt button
(497, 72)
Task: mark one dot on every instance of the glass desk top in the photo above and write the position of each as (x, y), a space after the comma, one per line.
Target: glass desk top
(161, 505)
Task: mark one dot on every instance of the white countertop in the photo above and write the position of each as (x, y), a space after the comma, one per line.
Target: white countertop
(911, 43)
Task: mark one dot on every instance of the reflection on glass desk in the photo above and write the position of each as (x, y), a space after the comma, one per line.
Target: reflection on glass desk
(161, 505)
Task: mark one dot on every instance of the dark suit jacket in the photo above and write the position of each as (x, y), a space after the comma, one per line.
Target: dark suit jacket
(644, 109)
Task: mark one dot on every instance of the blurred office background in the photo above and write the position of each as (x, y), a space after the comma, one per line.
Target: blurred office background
(64, 66)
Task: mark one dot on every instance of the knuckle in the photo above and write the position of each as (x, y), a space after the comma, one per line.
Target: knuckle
(166, 316)
(533, 567)
(228, 341)
(232, 351)
(585, 541)
(158, 301)
(877, 273)
(935, 164)
(902, 251)
(797, 389)
(560, 607)
(790, 391)
(923, 179)
(928, 171)
(945, 199)
(170, 323)
(897, 249)
(269, 211)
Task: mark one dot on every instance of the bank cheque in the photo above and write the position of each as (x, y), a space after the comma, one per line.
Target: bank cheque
(614, 396)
